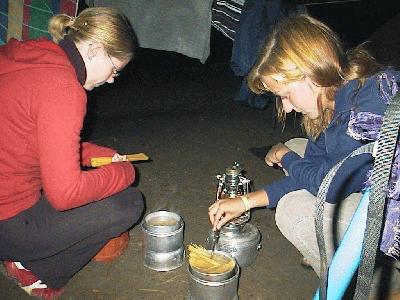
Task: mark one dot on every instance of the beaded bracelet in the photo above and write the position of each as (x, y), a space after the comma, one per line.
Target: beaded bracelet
(245, 202)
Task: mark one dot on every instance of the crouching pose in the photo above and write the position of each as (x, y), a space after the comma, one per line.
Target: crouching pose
(303, 63)
(54, 216)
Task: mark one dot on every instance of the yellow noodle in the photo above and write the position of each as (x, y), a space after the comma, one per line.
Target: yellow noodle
(102, 161)
(206, 262)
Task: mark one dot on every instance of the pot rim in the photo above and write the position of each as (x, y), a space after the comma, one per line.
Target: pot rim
(214, 277)
(155, 229)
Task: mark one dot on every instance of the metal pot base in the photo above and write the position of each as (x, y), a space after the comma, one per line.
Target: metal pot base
(214, 290)
(163, 241)
(164, 261)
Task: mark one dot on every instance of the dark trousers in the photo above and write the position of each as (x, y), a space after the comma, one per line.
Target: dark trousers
(55, 245)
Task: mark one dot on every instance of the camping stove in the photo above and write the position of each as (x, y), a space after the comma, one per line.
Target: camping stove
(238, 238)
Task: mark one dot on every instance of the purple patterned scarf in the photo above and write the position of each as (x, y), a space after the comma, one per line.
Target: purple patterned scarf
(366, 126)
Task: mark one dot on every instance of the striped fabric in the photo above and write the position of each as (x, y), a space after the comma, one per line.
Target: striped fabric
(28, 19)
(225, 16)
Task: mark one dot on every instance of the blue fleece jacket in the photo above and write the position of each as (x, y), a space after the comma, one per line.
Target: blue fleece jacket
(333, 145)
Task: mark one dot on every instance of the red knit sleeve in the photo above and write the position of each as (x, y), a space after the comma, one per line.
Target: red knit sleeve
(59, 119)
(90, 150)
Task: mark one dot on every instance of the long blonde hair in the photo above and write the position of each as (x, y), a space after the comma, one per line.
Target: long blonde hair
(301, 46)
(100, 24)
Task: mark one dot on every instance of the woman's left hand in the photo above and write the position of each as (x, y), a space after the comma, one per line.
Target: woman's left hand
(275, 154)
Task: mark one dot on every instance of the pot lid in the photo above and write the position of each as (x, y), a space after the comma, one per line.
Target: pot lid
(248, 234)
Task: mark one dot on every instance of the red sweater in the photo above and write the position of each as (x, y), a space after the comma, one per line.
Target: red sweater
(42, 107)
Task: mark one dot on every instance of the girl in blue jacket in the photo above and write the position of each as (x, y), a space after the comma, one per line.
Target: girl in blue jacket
(304, 65)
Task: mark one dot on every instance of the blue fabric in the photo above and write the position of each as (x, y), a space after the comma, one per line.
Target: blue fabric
(251, 99)
(367, 126)
(347, 257)
(333, 145)
(3, 21)
(257, 19)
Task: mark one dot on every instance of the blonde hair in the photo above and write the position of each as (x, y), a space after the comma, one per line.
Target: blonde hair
(300, 47)
(100, 24)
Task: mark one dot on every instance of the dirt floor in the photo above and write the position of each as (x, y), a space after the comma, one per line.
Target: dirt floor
(188, 148)
(182, 115)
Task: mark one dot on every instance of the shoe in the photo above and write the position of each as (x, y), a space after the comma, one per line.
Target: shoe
(29, 282)
(113, 249)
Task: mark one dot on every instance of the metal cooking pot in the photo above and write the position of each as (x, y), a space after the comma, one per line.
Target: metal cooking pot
(242, 242)
(162, 234)
(213, 276)
(204, 287)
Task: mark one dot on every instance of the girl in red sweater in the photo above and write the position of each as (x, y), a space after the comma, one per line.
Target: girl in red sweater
(55, 217)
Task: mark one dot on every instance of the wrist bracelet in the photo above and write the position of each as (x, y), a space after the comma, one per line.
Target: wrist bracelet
(246, 202)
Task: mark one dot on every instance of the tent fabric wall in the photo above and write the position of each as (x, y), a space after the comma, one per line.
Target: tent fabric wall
(182, 26)
(28, 19)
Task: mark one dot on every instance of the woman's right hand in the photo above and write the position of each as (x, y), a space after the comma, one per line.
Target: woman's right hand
(224, 210)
